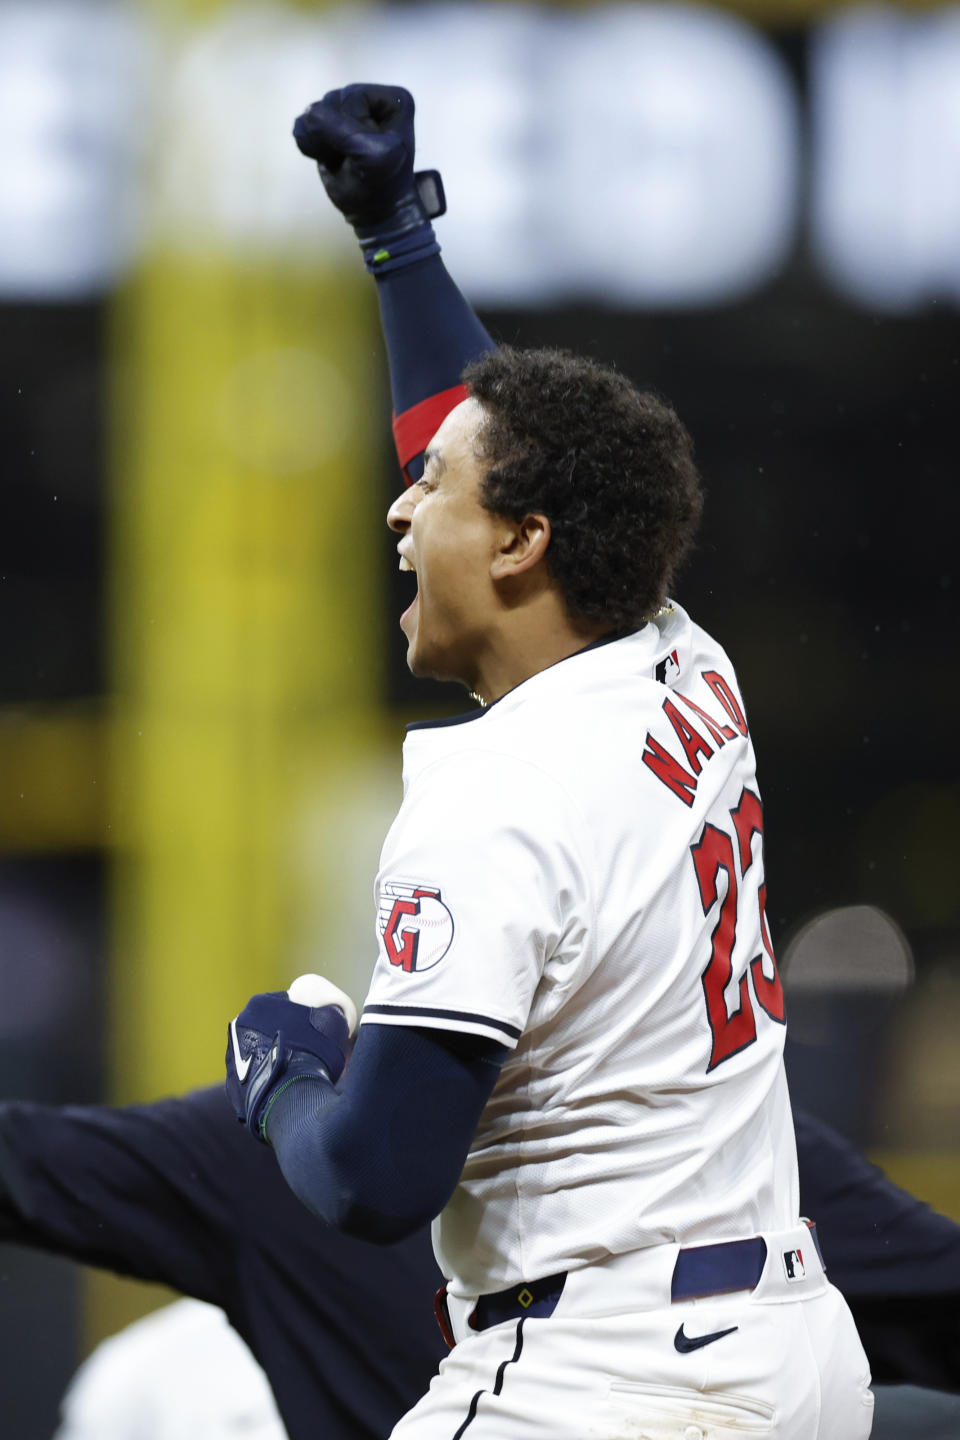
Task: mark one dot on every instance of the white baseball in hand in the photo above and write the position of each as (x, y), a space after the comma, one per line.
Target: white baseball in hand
(314, 990)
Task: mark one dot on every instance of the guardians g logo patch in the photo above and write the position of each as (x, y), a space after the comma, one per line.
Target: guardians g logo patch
(416, 928)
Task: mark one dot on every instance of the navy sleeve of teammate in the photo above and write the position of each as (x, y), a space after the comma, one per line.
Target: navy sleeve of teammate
(126, 1189)
(896, 1261)
(175, 1192)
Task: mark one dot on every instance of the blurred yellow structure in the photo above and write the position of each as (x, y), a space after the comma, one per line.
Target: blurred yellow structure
(242, 610)
(54, 775)
(242, 605)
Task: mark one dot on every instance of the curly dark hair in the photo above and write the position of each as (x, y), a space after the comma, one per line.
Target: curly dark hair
(610, 466)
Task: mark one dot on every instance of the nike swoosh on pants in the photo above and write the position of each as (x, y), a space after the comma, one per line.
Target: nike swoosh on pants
(685, 1343)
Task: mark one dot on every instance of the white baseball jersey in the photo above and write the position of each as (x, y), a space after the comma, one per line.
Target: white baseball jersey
(577, 872)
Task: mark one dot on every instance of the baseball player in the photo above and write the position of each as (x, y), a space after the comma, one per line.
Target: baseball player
(571, 1049)
(342, 1329)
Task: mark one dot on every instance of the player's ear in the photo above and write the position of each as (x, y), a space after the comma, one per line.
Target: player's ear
(522, 546)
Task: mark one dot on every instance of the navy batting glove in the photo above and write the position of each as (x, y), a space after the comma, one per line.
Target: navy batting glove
(276, 1040)
(363, 142)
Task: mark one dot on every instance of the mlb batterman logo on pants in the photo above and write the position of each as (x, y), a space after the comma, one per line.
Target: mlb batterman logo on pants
(794, 1266)
(416, 928)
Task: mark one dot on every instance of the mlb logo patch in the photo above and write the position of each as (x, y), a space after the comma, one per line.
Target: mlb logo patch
(793, 1265)
(668, 669)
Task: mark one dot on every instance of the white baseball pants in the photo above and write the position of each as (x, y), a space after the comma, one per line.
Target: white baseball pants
(617, 1359)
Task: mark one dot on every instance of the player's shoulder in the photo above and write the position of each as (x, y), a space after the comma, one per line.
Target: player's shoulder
(486, 774)
(578, 713)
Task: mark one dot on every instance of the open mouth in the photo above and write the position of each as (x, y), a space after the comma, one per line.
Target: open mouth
(407, 565)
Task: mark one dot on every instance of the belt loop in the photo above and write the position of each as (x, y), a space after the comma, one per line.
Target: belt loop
(812, 1227)
(442, 1312)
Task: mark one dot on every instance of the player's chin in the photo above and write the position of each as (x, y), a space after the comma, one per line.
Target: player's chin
(418, 663)
(414, 656)
(410, 627)
(425, 661)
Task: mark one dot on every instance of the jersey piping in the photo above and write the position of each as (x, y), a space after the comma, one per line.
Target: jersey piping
(434, 1013)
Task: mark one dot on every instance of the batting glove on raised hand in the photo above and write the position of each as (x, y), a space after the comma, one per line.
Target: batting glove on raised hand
(282, 1036)
(362, 140)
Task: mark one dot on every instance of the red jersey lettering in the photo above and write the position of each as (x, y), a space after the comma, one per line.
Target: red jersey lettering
(669, 770)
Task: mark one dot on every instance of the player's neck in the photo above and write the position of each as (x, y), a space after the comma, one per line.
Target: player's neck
(526, 642)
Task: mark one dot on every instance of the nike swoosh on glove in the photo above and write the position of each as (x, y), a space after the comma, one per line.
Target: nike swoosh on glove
(281, 1036)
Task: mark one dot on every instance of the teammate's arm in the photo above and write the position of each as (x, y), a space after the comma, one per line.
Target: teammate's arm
(140, 1190)
(896, 1261)
(175, 1192)
(362, 139)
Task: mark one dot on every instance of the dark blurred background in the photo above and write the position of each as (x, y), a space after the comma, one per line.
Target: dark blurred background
(201, 685)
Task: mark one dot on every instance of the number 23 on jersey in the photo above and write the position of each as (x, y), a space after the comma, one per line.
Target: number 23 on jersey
(731, 851)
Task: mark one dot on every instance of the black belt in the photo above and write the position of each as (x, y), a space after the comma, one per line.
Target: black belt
(719, 1269)
(700, 1271)
(703, 1270)
(539, 1297)
(533, 1297)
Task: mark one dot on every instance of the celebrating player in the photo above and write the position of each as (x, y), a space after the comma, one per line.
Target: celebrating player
(571, 1050)
(173, 1192)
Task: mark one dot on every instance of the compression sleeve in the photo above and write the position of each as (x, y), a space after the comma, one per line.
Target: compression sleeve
(383, 1156)
(431, 334)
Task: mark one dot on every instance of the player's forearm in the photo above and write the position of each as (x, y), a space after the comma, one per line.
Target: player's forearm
(362, 139)
(360, 1159)
(431, 334)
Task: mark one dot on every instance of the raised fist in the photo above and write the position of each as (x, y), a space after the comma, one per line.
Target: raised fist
(362, 140)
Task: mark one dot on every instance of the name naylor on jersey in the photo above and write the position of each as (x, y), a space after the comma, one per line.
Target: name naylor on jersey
(679, 778)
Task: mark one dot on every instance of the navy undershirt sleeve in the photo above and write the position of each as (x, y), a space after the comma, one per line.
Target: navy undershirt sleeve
(382, 1156)
(430, 330)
